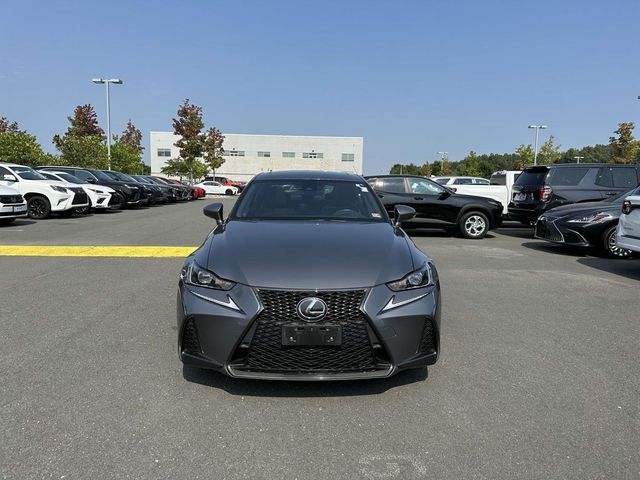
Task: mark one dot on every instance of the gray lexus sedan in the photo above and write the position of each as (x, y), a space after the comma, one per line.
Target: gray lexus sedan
(308, 279)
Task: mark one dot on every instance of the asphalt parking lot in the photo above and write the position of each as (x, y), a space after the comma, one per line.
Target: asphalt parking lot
(538, 376)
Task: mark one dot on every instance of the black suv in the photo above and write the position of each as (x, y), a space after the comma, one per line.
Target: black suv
(544, 187)
(125, 193)
(436, 206)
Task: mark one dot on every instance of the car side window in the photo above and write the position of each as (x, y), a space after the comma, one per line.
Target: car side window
(604, 177)
(424, 187)
(82, 175)
(391, 185)
(462, 181)
(624, 177)
(567, 176)
(481, 181)
(3, 172)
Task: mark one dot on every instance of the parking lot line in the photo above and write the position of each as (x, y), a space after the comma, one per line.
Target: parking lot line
(94, 251)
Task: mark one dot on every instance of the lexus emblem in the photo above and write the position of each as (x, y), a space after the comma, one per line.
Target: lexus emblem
(311, 309)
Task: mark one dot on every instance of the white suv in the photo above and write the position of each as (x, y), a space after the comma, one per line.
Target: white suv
(43, 196)
(12, 205)
(99, 195)
(628, 233)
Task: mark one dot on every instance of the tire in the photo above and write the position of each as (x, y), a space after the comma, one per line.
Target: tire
(228, 191)
(116, 202)
(609, 245)
(6, 221)
(474, 225)
(38, 207)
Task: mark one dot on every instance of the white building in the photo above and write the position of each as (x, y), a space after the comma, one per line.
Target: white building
(248, 155)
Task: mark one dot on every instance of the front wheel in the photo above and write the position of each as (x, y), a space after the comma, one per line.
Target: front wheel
(116, 202)
(228, 191)
(473, 225)
(38, 207)
(610, 246)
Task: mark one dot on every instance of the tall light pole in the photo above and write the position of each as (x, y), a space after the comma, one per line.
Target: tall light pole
(577, 158)
(535, 152)
(443, 157)
(108, 81)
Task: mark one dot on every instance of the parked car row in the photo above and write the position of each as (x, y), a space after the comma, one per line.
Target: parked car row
(65, 191)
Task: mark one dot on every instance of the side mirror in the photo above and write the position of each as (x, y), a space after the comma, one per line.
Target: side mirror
(402, 213)
(9, 178)
(214, 210)
(91, 180)
(446, 194)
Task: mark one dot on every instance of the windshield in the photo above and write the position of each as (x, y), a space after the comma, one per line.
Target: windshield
(142, 179)
(302, 199)
(123, 177)
(67, 177)
(101, 176)
(27, 173)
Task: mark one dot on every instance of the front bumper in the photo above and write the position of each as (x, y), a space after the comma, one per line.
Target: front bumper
(13, 210)
(556, 230)
(245, 341)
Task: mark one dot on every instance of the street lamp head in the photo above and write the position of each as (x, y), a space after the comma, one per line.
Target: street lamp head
(543, 126)
(97, 80)
(116, 80)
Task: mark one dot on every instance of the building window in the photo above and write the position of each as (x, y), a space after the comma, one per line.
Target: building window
(164, 152)
(348, 157)
(288, 154)
(264, 154)
(234, 153)
(312, 155)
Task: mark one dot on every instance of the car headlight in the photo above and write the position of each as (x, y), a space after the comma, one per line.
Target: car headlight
(59, 189)
(421, 277)
(194, 274)
(592, 218)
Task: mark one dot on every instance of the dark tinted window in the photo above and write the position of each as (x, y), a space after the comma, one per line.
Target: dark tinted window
(532, 176)
(427, 187)
(498, 179)
(604, 177)
(625, 177)
(83, 175)
(391, 184)
(462, 181)
(567, 176)
(300, 199)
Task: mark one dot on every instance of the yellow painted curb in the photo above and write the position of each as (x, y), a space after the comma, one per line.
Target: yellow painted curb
(95, 251)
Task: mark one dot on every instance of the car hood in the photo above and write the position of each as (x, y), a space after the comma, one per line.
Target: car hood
(583, 209)
(309, 255)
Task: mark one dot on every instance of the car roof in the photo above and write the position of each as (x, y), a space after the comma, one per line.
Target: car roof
(577, 165)
(307, 175)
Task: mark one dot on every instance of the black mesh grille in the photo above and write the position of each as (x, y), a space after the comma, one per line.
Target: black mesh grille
(267, 354)
(80, 197)
(428, 340)
(190, 342)
(547, 229)
(11, 199)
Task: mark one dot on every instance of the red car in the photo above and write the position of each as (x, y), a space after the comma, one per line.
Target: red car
(198, 192)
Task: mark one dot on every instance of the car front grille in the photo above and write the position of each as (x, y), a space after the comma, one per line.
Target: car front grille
(135, 195)
(80, 196)
(11, 199)
(547, 230)
(190, 341)
(262, 349)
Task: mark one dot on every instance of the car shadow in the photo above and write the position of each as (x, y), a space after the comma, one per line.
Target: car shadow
(628, 268)
(516, 231)
(436, 233)
(335, 388)
(18, 222)
(566, 250)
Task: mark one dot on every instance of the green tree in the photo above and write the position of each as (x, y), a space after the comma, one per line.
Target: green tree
(624, 146)
(549, 152)
(21, 147)
(524, 156)
(83, 151)
(176, 167)
(125, 157)
(188, 126)
(83, 123)
(213, 151)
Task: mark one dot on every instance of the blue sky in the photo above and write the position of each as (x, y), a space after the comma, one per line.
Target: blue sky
(411, 77)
